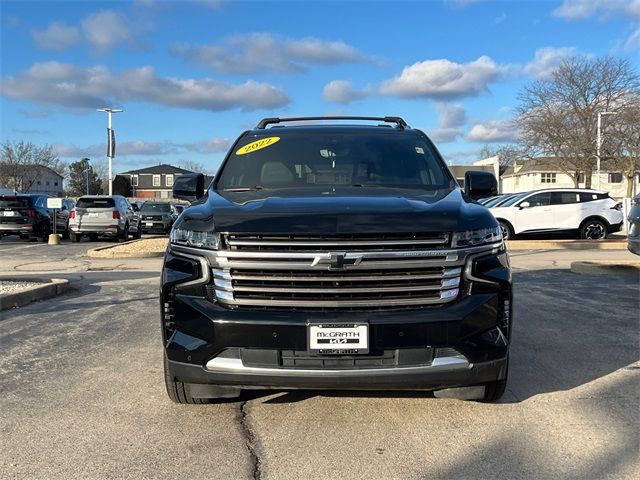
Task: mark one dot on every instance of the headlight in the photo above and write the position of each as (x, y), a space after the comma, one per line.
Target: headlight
(472, 238)
(192, 238)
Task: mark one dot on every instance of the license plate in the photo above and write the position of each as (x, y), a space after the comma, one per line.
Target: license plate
(338, 339)
(149, 224)
(7, 214)
(94, 214)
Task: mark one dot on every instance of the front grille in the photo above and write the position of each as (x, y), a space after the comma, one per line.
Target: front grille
(298, 272)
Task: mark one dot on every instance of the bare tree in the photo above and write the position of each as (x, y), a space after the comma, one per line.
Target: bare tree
(193, 166)
(557, 118)
(622, 144)
(507, 154)
(22, 164)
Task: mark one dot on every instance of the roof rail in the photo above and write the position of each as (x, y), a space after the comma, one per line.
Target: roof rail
(400, 123)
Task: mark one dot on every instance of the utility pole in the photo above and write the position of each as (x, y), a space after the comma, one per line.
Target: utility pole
(111, 144)
(599, 144)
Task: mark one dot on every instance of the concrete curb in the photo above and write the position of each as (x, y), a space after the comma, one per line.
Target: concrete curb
(50, 287)
(566, 245)
(104, 252)
(606, 267)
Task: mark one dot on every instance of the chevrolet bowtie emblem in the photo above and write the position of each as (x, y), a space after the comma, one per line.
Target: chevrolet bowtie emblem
(337, 261)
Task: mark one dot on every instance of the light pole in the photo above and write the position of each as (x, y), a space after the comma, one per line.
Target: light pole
(599, 144)
(86, 170)
(111, 147)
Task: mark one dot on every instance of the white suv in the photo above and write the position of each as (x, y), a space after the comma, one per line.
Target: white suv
(592, 214)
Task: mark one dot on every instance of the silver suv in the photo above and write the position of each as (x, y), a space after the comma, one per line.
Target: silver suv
(101, 215)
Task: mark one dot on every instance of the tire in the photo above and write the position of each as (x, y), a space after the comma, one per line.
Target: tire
(507, 231)
(179, 392)
(494, 390)
(46, 230)
(593, 229)
(74, 237)
(138, 234)
(125, 234)
(93, 237)
(23, 236)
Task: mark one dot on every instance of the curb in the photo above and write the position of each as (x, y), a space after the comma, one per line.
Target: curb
(566, 245)
(103, 252)
(50, 287)
(606, 268)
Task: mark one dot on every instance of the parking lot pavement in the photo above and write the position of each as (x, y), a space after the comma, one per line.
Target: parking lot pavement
(83, 397)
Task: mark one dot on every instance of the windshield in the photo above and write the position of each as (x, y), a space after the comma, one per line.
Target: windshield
(156, 208)
(14, 202)
(334, 159)
(96, 203)
(513, 200)
(496, 200)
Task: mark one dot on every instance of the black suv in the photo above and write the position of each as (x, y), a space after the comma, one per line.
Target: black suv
(25, 215)
(335, 256)
(157, 217)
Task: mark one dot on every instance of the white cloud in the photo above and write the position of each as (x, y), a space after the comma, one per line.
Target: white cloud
(57, 36)
(67, 85)
(500, 18)
(583, 9)
(105, 29)
(144, 148)
(450, 118)
(341, 91)
(633, 41)
(443, 79)
(264, 52)
(493, 131)
(460, 3)
(546, 60)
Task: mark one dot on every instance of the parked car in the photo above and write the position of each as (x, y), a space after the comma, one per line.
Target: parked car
(157, 217)
(25, 215)
(633, 237)
(589, 213)
(335, 257)
(180, 207)
(102, 215)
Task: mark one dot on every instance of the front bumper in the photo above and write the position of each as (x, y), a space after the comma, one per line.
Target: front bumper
(198, 334)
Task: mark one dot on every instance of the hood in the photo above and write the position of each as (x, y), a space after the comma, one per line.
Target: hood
(352, 211)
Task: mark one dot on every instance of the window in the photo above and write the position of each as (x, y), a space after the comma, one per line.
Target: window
(134, 180)
(548, 177)
(156, 180)
(564, 198)
(95, 202)
(615, 177)
(337, 159)
(539, 199)
(56, 184)
(581, 178)
(39, 182)
(169, 180)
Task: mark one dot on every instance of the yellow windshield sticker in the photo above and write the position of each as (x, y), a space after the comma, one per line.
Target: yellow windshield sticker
(257, 145)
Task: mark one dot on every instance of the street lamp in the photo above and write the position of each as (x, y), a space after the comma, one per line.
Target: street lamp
(111, 148)
(599, 144)
(86, 170)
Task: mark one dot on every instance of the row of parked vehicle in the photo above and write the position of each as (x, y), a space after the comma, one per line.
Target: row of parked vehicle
(91, 216)
(591, 214)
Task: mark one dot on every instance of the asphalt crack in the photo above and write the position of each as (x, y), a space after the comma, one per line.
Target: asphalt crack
(250, 440)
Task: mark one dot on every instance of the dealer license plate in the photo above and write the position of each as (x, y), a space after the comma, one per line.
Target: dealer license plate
(148, 224)
(7, 213)
(338, 338)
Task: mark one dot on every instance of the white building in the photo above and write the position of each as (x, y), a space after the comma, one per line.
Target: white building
(538, 173)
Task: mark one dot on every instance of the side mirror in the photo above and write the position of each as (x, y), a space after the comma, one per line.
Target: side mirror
(480, 184)
(189, 186)
(524, 205)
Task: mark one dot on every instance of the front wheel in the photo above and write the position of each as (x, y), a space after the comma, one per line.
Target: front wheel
(593, 230)
(507, 233)
(494, 390)
(178, 392)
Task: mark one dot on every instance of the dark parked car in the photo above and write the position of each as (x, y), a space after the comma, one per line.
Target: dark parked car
(62, 216)
(25, 215)
(157, 217)
(335, 257)
(633, 238)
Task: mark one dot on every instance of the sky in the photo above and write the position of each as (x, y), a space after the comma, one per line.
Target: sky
(191, 76)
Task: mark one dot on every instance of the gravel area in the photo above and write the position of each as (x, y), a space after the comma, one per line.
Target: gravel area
(11, 286)
(144, 247)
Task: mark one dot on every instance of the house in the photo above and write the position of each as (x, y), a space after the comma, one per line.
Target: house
(36, 179)
(153, 182)
(538, 173)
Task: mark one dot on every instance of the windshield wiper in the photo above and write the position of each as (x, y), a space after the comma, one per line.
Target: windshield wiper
(243, 189)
